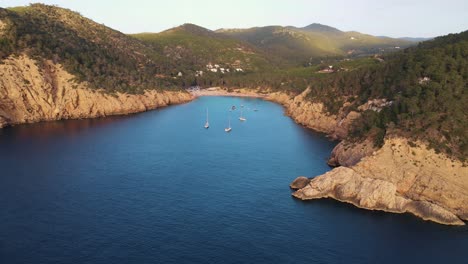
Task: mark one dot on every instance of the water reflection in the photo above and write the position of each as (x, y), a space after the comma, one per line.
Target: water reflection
(44, 130)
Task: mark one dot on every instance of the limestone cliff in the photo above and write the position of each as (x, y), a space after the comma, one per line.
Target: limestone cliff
(399, 178)
(31, 94)
(314, 116)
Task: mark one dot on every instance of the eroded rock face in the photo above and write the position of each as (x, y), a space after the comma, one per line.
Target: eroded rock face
(313, 115)
(299, 183)
(399, 178)
(29, 94)
(348, 154)
(306, 113)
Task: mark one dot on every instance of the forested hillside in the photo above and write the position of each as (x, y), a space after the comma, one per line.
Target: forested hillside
(425, 87)
(103, 57)
(300, 46)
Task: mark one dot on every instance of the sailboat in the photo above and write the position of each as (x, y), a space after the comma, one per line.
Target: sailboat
(241, 118)
(207, 124)
(228, 129)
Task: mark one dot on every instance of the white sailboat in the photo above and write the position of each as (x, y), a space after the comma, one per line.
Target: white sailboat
(207, 124)
(228, 129)
(241, 118)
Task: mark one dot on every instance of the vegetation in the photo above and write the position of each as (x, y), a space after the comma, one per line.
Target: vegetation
(191, 48)
(427, 86)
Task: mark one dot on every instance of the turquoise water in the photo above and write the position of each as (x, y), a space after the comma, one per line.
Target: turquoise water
(157, 187)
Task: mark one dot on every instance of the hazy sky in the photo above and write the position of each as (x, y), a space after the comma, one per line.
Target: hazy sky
(396, 18)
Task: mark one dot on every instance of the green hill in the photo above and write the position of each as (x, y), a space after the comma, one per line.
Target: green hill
(313, 42)
(191, 48)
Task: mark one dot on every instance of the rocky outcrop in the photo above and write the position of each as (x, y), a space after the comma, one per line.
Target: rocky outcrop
(350, 153)
(299, 183)
(32, 94)
(399, 178)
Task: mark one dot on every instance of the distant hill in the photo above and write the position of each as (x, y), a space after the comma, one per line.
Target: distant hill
(316, 27)
(313, 41)
(415, 39)
(190, 48)
(410, 39)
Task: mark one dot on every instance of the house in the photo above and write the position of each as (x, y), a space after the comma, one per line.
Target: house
(180, 74)
(423, 80)
(328, 69)
(239, 70)
(214, 70)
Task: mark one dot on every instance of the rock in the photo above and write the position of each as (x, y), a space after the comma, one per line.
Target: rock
(400, 179)
(299, 183)
(348, 154)
(27, 95)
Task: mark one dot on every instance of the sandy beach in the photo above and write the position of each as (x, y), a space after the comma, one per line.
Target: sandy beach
(217, 91)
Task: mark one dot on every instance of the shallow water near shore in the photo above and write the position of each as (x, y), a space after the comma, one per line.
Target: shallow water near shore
(157, 187)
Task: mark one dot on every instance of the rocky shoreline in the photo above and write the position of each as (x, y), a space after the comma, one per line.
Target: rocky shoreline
(400, 177)
(29, 94)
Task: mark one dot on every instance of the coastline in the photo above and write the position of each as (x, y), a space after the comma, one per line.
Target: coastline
(391, 179)
(28, 96)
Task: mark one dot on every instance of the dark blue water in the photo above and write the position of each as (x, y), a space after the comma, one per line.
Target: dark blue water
(157, 187)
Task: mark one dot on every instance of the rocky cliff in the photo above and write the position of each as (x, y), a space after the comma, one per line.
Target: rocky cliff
(31, 93)
(400, 177)
(313, 114)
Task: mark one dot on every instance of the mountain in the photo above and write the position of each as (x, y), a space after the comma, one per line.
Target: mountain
(190, 48)
(316, 27)
(315, 41)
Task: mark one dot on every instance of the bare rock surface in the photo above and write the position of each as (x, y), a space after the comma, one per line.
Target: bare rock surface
(401, 179)
(29, 94)
(348, 154)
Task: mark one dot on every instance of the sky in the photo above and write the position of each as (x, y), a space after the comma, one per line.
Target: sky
(394, 18)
